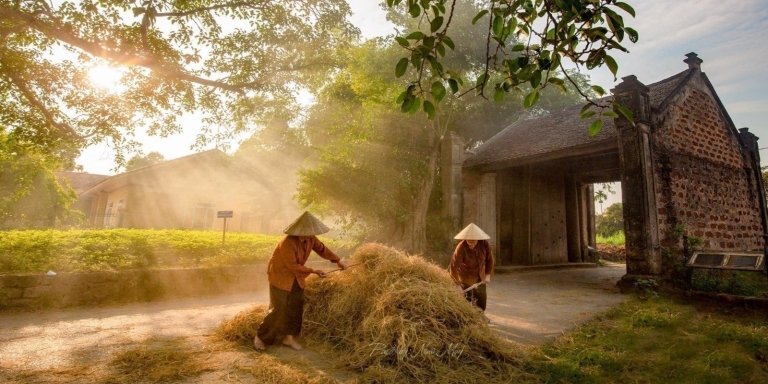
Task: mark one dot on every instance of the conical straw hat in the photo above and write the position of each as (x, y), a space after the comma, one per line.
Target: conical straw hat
(306, 225)
(472, 232)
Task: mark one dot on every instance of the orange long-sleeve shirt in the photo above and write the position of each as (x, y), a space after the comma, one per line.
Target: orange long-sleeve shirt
(469, 266)
(287, 261)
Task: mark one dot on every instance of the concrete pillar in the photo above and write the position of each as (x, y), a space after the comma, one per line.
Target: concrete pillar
(641, 225)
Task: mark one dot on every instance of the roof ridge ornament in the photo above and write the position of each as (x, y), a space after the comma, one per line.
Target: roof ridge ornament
(693, 61)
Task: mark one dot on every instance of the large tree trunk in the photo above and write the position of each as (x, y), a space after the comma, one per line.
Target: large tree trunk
(416, 231)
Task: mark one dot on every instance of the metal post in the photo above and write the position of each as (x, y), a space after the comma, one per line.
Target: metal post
(224, 233)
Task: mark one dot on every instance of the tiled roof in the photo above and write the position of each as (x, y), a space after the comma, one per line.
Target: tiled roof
(123, 177)
(81, 181)
(558, 131)
(661, 90)
(529, 138)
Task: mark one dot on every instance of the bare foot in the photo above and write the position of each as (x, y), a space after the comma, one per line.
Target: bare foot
(291, 342)
(258, 344)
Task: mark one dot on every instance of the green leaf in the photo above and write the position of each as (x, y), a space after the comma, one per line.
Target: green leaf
(401, 97)
(595, 127)
(498, 94)
(481, 80)
(535, 79)
(429, 108)
(402, 41)
(585, 108)
(633, 36)
(414, 10)
(624, 111)
(512, 24)
(559, 82)
(479, 15)
(402, 65)
(518, 47)
(429, 42)
(415, 105)
(511, 65)
(598, 89)
(436, 23)
(440, 49)
(587, 114)
(611, 63)
(438, 91)
(531, 98)
(436, 66)
(610, 114)
(406, 104)
(415, 35)
(627, 8)
(498, 25)
(447, 40)
(454, 85)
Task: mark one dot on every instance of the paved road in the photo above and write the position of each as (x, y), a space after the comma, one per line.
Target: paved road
(527, 307)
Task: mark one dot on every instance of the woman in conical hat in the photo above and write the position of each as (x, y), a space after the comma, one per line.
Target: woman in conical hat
(286, 274)
(472, 264)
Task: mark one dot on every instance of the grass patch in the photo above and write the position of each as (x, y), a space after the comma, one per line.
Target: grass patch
(119, 249)
(744, 283)
(615, 239)
(659, 340)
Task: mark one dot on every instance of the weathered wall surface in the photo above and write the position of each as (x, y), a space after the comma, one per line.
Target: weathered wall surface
(532, 216)
(479, 204)
(98, 288)
(703, 181)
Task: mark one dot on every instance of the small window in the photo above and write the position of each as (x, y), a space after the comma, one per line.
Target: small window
(709, 259)
(725, 260)
(203, 215)
(742, 261)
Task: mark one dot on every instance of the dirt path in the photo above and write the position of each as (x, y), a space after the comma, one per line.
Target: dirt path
(526, 307)
(532, 307)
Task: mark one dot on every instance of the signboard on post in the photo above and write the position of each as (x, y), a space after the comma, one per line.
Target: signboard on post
(224, 215)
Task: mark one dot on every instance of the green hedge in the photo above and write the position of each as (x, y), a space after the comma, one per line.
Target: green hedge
(118, 249)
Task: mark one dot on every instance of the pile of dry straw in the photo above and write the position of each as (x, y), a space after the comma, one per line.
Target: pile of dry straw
(396, 318)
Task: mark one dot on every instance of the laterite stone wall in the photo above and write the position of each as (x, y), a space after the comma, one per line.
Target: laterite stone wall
(703, 181)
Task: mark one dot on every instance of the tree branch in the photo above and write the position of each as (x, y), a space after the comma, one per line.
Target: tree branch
(250, 4)
(61, 33)
(28, 94)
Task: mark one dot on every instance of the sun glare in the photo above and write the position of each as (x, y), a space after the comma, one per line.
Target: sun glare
(106, 77)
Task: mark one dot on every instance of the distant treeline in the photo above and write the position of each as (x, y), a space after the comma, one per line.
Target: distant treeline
(38, 251)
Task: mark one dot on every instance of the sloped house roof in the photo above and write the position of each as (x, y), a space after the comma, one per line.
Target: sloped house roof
(81, 181)
(558, 134)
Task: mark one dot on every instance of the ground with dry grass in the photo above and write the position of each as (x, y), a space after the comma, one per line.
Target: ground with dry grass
(654, 340)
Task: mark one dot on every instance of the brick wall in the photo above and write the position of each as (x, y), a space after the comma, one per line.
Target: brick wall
(702, 178)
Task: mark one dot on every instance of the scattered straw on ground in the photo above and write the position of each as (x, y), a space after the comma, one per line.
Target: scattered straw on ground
(397, 318)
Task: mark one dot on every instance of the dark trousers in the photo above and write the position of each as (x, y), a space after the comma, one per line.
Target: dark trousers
(286, 310)
(476, 296)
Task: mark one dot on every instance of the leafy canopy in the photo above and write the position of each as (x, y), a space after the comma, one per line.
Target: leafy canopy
(368, 151)
(228, 62)
(611, 221)
(527, 42)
